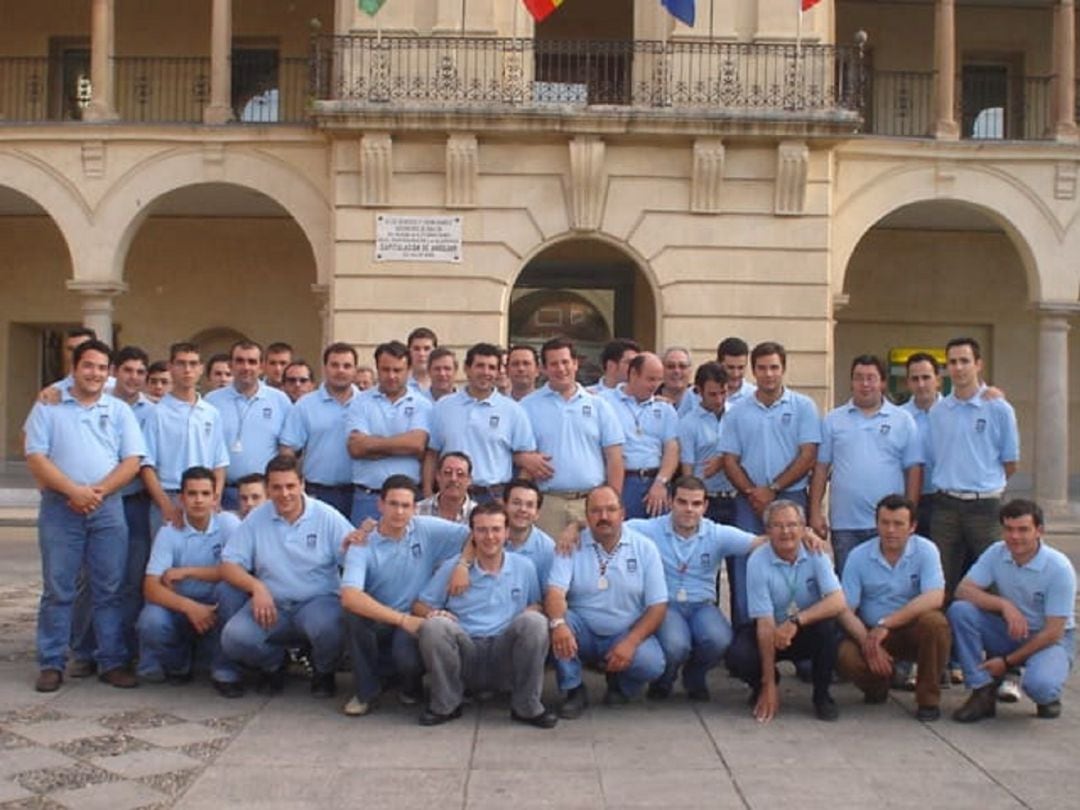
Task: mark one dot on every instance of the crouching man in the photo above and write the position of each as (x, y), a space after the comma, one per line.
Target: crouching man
(492, 635)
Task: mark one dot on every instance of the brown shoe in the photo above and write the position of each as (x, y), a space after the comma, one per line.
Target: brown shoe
(120, 677)
(982, 702)
(49, 680)
(81, 669)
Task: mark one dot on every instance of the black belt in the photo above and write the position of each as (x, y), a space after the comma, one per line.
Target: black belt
(494, 490)
(333, 487)
(367, 490)
(724, 496)
(569, 494)
(650, 472)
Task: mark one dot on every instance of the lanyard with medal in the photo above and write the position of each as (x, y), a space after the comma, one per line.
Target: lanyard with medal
(634, 414)
(241, 417)
(793, 586)
(683, 566)
(603, 560)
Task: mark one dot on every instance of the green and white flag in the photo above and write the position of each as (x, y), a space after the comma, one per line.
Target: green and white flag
(370, 6)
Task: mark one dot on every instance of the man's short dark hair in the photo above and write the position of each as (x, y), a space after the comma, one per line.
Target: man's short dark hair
(92, 345)
(157, 367)
(709, 372)
(894, 502)
(300, 363)
(283, 462)
(398, 481)
(441, 352)
(868, 360)
(277, 347)
(1017, 508)
(420, 333)
(923, 357)
(489, 508)
(456, 454)
(691, 482)
(198, 473)
(217, 358)
(340, 348)
(766, 348)
(731, 347)
(976, 350)
(129, 353)
(522, 347)
(615, 349)
(480, 350)
(556, 344)
(80, 331)
(394, 348)
(183, 347)
(251, 478)
(523, 483)
(246, 344)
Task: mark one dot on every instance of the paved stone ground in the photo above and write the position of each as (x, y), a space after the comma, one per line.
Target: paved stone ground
(91, 746)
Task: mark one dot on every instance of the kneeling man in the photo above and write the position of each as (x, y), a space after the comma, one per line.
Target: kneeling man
(490, 636)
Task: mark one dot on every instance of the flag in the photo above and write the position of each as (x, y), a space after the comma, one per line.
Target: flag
(540, 9)
(683, 10)
(372, 6)
(809, 4)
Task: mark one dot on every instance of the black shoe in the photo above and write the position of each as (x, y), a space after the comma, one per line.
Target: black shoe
(927, 714)
(271, 683)
(982, 702)
(613, 695)
(430, 718)
(1049, 711)
(657, 691)
(323, 685)
(826, 709)
(875, 698)
(546, 719)
(577, 700)
(804, 670)
(698, 694)
(228, 689)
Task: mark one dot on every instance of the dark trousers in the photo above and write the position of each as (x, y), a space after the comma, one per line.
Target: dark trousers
(962, 530)
(816, 642)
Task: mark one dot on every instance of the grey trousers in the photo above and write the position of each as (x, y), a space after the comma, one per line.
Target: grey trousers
(513, 660)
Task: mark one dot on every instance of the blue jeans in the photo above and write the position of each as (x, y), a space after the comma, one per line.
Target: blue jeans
(646, 665)
(230, 498)
(317, 621)
(693, 636)
(844, 540)
(979, 635)
(749, 521)
(364, 505)
(68, 541)
(341, 498)
(379, 650)
(168, 644)
(633, 494)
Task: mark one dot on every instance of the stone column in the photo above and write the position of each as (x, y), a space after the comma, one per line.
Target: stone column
(945, 58)
(1065, 70)
(97, 304)
(220, 109)
(102, 105)
(1051, 461)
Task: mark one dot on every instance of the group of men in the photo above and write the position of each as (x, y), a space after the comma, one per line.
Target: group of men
(466, 586)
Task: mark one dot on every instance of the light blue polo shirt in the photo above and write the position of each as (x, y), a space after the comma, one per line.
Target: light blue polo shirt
(690, 563)
(699, 440)
(635, 582)
(539, 548)
(187, 547)
(179, 436)
(296, 561)
(141, 408)
(85, 442)
(489, 431)
(970, 440)
(767, 438)
(491, 601)
(251, 425)
(574, 433)
(373, 414)
(772, 583)
(874, 589)
(647, 426)
(922, 422)
(394, 572)
(1045, 586)
(869, 455)
(319, 425)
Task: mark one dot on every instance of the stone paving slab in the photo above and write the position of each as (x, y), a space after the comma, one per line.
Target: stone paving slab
(110, 796)
(155, 761)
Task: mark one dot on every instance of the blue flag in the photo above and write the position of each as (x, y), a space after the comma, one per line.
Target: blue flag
(682, 10)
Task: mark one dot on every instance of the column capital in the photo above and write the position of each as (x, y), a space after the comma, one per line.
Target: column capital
(91, 288)
(1056, 309)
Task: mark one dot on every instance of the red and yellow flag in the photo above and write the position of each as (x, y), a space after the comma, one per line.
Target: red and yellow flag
(540, 9)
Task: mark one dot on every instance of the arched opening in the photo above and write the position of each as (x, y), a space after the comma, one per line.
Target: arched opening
(931, 271)
(586, 290)
(35, 265)
(216, 260)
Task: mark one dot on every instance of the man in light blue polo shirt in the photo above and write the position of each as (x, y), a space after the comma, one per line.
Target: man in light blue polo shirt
(651, 437)
(492, 635)
(383, 576)
(870, 448)
(699, 442)
(182, 431)
(794, 598)
(388, 430)
(286, 555)
(1016, 608)
(895, 588)
(733, 355)
(923, 379)
(318, 427)
(187, 604)
(975, 447)
(81, 453)
(578, 436)
(770, 443)
(252, 417)
(523, 499)
(605, 602)
(675, 387)
(615, 361)
(491, 429)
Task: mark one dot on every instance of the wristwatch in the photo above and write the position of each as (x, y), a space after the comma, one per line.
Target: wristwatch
(881, 623)
(795, 620)
(556, 623)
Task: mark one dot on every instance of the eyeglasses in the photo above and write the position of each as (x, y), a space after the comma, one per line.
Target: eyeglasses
(298, 380)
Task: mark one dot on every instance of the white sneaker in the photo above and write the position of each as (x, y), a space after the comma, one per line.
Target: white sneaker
(1009, 691)
(356, 708)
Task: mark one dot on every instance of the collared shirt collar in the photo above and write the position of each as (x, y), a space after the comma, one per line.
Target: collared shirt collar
(778, 560)
(785, 397)
(882, 410)
(1036, 563)
(641, 403)
(210, 527)
(875, 551)
(304, 513)
(975, 401)
(579, 391)
(326, 396)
